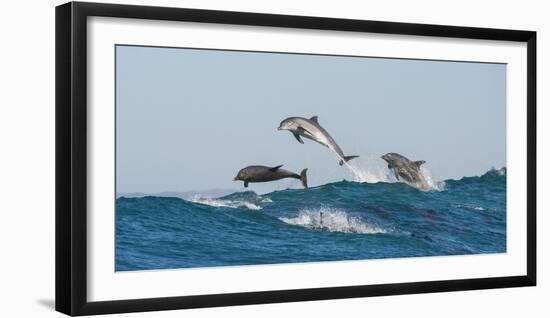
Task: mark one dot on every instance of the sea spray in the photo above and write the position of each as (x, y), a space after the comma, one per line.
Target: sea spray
(365, 169)
(432, 184)
(362, 170)
(333, 220)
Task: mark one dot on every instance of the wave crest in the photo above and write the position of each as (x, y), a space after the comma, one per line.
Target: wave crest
(221, 203)
(501, 172)
(332, 220)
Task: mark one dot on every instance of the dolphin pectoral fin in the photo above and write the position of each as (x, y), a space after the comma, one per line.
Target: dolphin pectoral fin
(275, 168)
(246, 184)
(298, 138)
(315, 119)
(419, 163)
(396, 174)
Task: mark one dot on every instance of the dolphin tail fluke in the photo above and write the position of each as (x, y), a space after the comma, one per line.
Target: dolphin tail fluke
(346, 159)
(303, 177)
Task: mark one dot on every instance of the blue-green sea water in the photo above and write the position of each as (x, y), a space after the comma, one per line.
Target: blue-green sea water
(337, 221)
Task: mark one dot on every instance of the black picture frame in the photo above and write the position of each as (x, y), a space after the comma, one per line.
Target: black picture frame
(71, 157)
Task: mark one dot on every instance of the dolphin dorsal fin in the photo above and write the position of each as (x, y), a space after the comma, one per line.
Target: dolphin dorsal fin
(275, 168)
(315, 119)
(419, 163)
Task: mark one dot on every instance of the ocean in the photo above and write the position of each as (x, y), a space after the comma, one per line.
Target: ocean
(337, 221)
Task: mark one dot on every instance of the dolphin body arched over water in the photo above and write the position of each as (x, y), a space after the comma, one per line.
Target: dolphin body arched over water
(266, 174)
(310, 129)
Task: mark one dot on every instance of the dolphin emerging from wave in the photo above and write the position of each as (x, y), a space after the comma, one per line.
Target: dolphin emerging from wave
(310, 129)
(266, 174)
(406, 169)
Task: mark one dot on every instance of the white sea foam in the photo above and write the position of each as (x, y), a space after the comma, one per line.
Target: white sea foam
(477, 208)
(227, 203)
(430, 183)
(332, 220)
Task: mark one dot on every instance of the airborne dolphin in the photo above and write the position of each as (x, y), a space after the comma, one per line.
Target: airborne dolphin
(406, 169)
(310, 129)
(265, 174)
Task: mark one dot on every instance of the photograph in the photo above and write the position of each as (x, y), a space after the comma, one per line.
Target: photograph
(238, 158)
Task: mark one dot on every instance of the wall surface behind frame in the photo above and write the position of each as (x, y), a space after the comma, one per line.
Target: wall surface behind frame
(27, 160)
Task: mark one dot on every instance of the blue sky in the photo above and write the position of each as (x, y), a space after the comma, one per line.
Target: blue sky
(189, 119)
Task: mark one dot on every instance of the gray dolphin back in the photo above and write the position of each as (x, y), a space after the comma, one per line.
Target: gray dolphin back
(311, 129)
(266, 174)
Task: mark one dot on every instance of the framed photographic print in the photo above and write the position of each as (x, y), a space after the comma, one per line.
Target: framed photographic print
(212, 158)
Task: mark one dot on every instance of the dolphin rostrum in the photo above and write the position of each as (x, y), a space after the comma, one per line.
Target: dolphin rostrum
(406, 169)
(310, 129)
(265, 174)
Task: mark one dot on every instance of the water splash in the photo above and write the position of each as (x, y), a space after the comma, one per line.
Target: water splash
(363, 169)
(332, 220)
(430, 183)
(370, 170)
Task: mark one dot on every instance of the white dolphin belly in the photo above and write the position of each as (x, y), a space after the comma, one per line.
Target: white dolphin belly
(317, 137)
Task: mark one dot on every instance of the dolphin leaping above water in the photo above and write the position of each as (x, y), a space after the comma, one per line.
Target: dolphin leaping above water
(406, 169)
(265, 174)
(310, 129)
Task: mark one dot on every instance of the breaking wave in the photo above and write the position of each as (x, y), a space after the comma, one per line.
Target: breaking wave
(238, 200)
(218, 203)
(332, 220)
